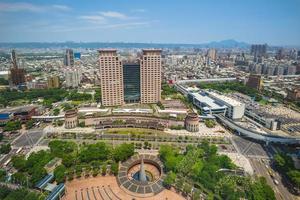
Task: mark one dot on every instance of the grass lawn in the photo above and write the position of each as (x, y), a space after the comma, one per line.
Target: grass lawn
(136, 131)
(263, 102)
(19, 102)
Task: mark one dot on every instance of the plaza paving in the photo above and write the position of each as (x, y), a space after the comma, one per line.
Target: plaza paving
(107, 188)
(217, 131)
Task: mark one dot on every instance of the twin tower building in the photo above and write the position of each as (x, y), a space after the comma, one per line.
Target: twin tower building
(132, 82)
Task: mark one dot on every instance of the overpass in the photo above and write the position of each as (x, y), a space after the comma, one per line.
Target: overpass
(257, 135)
(47, 117)
(208, 80)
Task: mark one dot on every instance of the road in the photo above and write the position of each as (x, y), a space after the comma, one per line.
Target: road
(261, 169)
(29, 138)
(259, 156)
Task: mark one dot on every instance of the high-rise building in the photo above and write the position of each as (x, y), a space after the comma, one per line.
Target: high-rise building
(53, 82)
(73, 77)
(291, 70)
(111, 78)
(212, 54)
(69, 58)
(279, 71)
(150, 76)
(279, 54)
(131, 79)
(259, 51)
(254, 81)
(17, 75)
(293, 94)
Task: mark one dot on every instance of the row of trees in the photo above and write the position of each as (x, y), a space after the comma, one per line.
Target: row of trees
(285, 165)
(10, 194)
(231, 87)
(198, 167)
(12, 126)
(5, 148)
(50, 96)
(74, 159)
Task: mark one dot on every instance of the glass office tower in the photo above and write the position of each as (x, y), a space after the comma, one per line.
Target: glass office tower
(131, 80)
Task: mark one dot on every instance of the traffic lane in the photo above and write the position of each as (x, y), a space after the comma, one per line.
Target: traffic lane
(29, 138)
(281, 192)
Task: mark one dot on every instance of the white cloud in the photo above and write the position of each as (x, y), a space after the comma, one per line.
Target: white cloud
(93, 18)
(61, 7)
(113, 14)
(14, 7)
(28, 7)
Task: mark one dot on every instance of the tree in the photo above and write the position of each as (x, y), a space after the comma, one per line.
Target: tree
(2, 175)
(197, 167)
(170, 179)
(37, 174)
(81, 124)
(61, 148)
(19, 178)
(68, 160)
(12, 126)
(123, 152)
(187, 188)
(56, 111)
(294, 176)
(261, 190)
(59, 173)
(48, 103)
(209, 123)
(114, 168)
(98, 151)
(3, 81)
(29, 124)
(279, 161)
(5, 148)
(1, 137)
(104, 169)
(66, 106)
(38, 159)
(19, 162)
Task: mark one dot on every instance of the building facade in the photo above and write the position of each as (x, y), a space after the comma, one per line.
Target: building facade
(254, 81)
(73, 77)
(71, 119)
(259, 50)
(212, 54)
(150, 76)
(17, 75)
(53, 82)
(111, 78)
(191, 122)
(69, 58)
(131, 79)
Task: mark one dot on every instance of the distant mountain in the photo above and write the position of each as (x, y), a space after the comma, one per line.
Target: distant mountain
(227, 44)
(94, 45)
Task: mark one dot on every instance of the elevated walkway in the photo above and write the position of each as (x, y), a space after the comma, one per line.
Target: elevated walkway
(257, 135)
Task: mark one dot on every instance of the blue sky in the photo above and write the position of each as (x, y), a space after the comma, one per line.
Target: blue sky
(275, 22)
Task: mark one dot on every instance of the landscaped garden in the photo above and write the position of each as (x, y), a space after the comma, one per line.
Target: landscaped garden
(196, 171)
(83, 160)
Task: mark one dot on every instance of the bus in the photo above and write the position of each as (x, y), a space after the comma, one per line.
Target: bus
(19, 150)
(6, 162)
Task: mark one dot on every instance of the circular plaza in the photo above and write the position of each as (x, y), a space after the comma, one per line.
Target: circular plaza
(141, 175)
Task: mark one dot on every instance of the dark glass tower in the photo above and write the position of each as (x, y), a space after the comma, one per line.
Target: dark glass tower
(131, 79)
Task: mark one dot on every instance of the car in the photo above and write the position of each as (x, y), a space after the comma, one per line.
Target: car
(276, 182)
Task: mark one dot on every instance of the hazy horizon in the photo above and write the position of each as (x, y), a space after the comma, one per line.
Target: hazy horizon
(274, 22)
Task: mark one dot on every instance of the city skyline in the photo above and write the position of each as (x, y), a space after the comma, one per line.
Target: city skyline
(193, 22)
